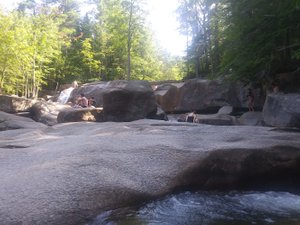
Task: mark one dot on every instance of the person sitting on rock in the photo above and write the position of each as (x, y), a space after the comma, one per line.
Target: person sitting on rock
(191, 117)
(82, 101)
(92, 102)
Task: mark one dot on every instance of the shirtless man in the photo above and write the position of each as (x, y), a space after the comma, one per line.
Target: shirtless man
(82, 101)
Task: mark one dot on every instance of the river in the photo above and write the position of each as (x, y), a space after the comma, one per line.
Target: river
(211, 208)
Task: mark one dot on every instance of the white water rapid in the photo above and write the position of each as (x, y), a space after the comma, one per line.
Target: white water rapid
(65, 95)
(211, 208)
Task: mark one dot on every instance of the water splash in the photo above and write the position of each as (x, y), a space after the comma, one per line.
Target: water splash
(211, 208)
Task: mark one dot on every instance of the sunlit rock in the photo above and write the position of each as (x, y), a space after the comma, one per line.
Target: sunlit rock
(80, 114)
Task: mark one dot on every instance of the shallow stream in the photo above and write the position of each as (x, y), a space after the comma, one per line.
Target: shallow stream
(211, 208)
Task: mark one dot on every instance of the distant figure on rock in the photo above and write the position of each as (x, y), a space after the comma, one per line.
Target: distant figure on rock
(191, 117)
(250, 100)
(82, 101)
(275, 88)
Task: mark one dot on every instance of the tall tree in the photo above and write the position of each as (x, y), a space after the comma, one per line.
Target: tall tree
(196, 22)
(261, 38)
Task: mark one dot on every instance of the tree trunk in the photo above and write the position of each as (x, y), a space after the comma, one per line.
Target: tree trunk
(129, 37)
(33, 77)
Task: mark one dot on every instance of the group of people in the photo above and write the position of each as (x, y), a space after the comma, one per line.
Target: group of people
(84, 102)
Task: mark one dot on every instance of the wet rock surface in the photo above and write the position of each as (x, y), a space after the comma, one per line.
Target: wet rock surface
(71, 172)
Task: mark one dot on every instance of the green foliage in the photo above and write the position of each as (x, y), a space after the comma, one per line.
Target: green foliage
(260, 35)
(250, 40)
(46, 43)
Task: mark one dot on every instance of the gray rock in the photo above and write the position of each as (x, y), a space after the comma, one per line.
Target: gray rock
(167, 96)
(251, 119)
(198, 95)
(14, 104)
(46, 111)
(121, 100)
(158, 115)
(204, 96)
(94, 89)
(282, 110)
(128, 100)
(71, 172)
(216, 119)
(12, 122)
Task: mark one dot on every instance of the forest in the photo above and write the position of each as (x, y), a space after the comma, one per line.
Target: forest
(46, 43)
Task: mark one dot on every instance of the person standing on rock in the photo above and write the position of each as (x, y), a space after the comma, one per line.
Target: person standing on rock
(250, 99)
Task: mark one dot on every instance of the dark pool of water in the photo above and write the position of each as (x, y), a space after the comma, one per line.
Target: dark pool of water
(211, 208)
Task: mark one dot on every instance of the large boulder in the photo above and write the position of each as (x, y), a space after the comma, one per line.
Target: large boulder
(251, 119)
(166, 95)
(282, 110)
(69, 173)
(121, 100)
(128, 101)
(199, 95)
(12, 122)
(14, 104)
(204, 96)
(46, 111)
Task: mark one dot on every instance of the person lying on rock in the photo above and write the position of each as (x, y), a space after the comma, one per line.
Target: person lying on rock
(191, 117)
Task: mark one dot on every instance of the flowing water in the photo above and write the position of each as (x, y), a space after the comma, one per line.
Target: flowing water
(64, 95)
(211, 208)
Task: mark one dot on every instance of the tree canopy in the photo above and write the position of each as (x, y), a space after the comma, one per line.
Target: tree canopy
(245, 40)
(48, 43)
